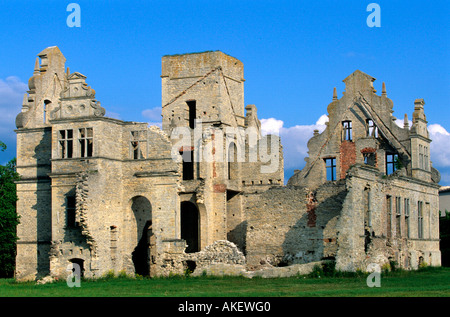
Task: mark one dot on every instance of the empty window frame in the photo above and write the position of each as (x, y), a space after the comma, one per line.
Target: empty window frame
(372, 129)
(347, 130)
(138, 145)
(65, 140)
(330, 166)
(388, 216)
(70, 210)
(398, 215)
(392, 163)
(420, 219)
(407, 217)
(192, 108)
(188, 164)
(86, 142)
(370, 159)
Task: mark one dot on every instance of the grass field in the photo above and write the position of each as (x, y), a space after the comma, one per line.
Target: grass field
(423, 283)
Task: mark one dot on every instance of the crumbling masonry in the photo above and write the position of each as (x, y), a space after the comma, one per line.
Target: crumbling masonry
(111, 195)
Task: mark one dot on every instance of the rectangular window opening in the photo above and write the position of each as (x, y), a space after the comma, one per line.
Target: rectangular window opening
(372, 130)
(347, 129)
(330, 165)
(407, 219)
(192, 113)
(420, 219)
(65, 138)
(188, 164)
(86, 139)
(138, 145)
(392, 163)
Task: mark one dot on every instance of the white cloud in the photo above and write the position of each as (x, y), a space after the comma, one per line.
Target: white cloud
(437, 129)
(294, 139)
(153, 114)
(439, 148)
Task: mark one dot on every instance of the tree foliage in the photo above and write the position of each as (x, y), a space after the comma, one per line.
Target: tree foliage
(8, 216)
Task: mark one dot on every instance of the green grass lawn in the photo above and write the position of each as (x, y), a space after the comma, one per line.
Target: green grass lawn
(423, 283)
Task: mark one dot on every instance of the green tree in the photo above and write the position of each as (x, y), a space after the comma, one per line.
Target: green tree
(8, 217)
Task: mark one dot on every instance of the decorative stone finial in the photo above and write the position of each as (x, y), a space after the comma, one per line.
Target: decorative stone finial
(405, 122)
(36, 66)
(383, 89)
(335, 94)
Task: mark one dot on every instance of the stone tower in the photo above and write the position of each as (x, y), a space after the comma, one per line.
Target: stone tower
(33, 160)
(203, 98)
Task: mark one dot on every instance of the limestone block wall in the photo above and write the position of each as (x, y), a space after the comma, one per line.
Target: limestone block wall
(290, 225)
(379, 222)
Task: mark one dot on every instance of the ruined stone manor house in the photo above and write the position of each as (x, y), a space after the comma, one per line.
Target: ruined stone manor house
(111, 195)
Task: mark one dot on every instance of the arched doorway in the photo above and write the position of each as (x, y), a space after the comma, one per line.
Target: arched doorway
(142, 211)
(190, 224)
(80, 263)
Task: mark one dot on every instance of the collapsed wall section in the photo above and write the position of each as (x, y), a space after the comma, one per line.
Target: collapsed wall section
(293, 225)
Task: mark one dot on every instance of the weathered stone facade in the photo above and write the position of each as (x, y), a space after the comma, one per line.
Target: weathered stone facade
(206, 192)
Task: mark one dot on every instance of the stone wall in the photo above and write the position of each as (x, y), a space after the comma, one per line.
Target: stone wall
(290, 225)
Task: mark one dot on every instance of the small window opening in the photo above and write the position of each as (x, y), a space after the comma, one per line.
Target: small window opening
(372, 129)
(370, 159)
(192, 113)
(330, 165)
(188, 164)
(420, 219)
(138, 145)
(86, 142)
(65, 138)
(406, 208)
(347, 129)
(392, 163)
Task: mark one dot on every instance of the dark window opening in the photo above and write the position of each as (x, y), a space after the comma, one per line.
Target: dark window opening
(71, 214)
(392, 163)
(190, 226)
(347, 129)
(388, 216)
(406, 208)
(398, 214)
(138, 145)
(188, 164)
(86, 142)
(330, 165)
(65, 138)
(370, 159)
(46, 110)
(192, 113)
(80, 263)
(420, 219)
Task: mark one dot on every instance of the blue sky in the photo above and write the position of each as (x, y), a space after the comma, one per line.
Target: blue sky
(294, 53)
